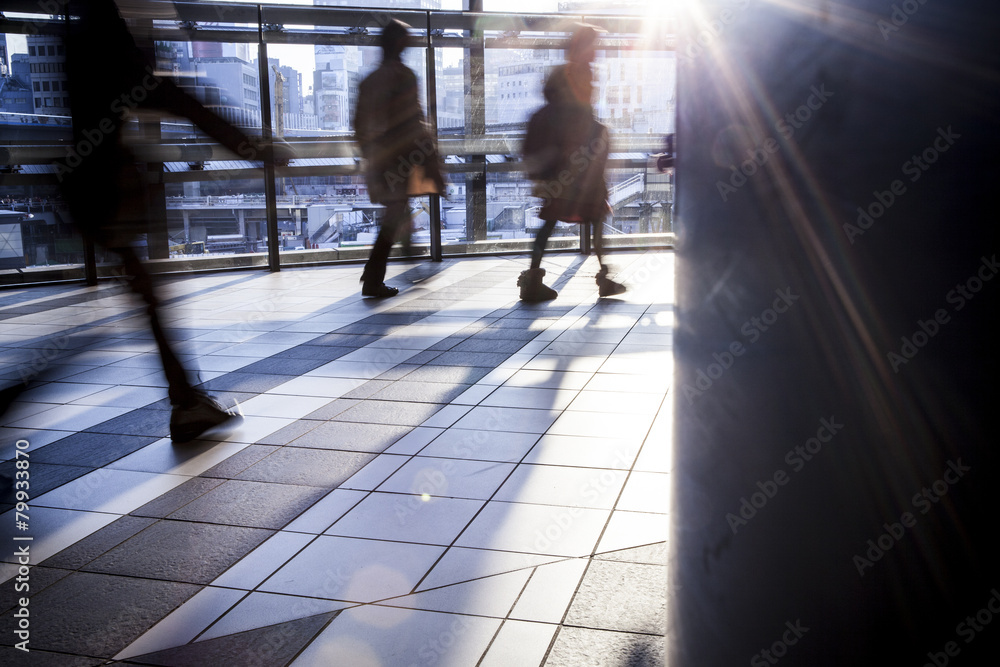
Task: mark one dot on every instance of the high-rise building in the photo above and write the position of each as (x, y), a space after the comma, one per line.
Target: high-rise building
(47, 56)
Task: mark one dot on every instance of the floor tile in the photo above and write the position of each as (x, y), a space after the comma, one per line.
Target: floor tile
(422, 633)
(414, 441)
(163, 551)
(263, 561)
(530, 397)
(628, 530)
(164, 456)
(488, 596)
(68, 417)
(328, 387)
(555, 379)
(519, 643)
(538, 529)
(107, 490)
(260, 610)
(308, 467)
(407, 518)
(626, 597)
(451, 478)
(389, 412)
(584, 451)
(514, 420)
(98, 614)
(53, 530)
(600, 425)
(550, 591)
(646, 492)
(275, 405)
(330, 508)
(184, 623)
(481, 445)
(564, 486)
(352, 436)
(253, 504)
(353, 570)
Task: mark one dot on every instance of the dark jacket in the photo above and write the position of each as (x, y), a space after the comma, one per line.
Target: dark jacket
(566, 150)
(394, 139)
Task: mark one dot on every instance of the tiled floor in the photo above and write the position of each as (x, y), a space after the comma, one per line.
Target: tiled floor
(448, 477)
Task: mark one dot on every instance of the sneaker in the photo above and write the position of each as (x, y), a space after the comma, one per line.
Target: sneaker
(189, 422)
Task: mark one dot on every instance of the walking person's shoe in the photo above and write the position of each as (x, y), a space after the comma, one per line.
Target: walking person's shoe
(606, 286)
(532, 288)
(378, 290)
(190, 420)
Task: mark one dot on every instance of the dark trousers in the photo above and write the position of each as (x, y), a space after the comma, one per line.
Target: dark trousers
(396, 214)
(543, 234)
(179, 388)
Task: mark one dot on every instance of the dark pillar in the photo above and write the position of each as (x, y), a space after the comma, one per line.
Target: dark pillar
(835, 495)
(475, 129)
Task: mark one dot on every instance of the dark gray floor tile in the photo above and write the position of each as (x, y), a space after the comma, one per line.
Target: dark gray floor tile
(626, 597)
(368, 328)
(446, 343)
(247, 382)
(253, 504)
(344, 340)
(423, 357)
(273, 646)
(389, 412)
(177, 497)
(498, 345)
(97, 544)
(180, 551)
(272, 366)
(398, 371)
(583, 647)
(91, 449)
(368, 388)
(447, 374)
(521, 334)
(322, 353)
(307, 467)
(40, 578)
(44, 477)
(288, 433)
(352, 436)
(35, 658)
(421, 392)
(488, 360)
(94, 614)
(240, 461)
(144, 421)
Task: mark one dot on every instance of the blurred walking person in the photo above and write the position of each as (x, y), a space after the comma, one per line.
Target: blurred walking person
(401, 158)
(565, 153)
(110, 77)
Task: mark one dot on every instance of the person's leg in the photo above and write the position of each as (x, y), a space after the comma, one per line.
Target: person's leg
(194, 412)
(530, 281)
(373, 276)
(179, 389)
(605, 286)
(541, 239)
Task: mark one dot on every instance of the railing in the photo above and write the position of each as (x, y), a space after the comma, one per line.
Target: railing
(333, 155)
